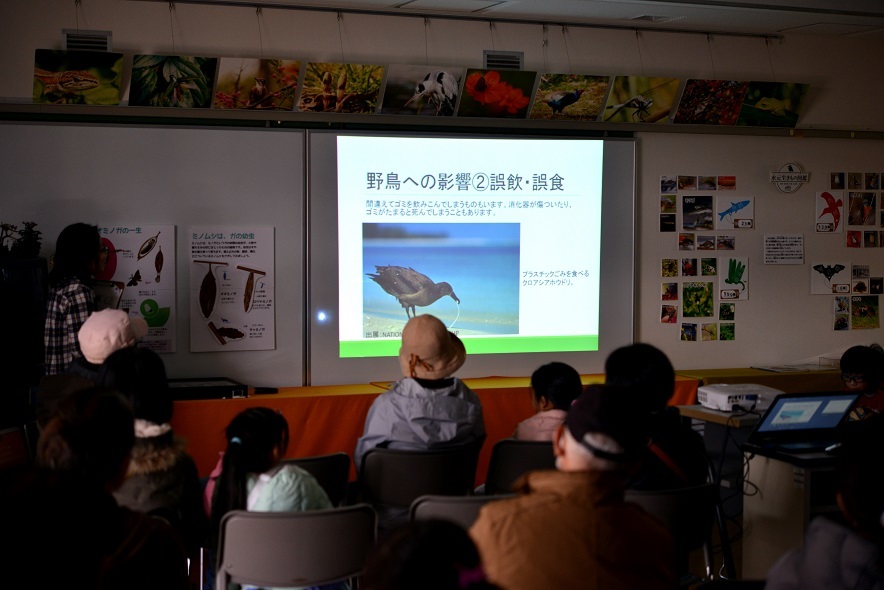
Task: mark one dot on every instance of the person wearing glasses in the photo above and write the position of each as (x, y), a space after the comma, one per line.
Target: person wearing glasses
(861, 370)
(79, 256)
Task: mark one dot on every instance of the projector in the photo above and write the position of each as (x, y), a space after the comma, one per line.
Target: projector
(728, 397)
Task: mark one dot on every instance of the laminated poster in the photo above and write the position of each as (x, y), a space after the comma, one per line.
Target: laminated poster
(139, 277)
(231, 288)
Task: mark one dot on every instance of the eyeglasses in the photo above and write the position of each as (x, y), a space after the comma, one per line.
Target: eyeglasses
(854, 377)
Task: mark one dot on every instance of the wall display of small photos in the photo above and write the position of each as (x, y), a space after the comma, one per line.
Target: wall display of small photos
(699, 209)
(856, 293)
(854, 200)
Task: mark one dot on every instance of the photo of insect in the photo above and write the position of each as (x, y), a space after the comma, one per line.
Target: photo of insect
(134, 279)
(641, 105)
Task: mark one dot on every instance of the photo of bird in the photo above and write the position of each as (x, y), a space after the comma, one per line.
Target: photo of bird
(411, 288)
(439, 89)
(258, 94)
(833, 207)
(557, 101)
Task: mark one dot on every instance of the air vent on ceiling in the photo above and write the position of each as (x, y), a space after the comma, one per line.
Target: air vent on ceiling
(503, 60)
(86, 40)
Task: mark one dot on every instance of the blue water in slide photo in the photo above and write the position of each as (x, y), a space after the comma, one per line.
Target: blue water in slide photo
(479, 260)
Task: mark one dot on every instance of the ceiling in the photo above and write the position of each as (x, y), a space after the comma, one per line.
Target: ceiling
(832, 18)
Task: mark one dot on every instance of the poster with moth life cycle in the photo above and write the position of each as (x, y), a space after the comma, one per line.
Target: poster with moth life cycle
(139, 277)
(232, 301)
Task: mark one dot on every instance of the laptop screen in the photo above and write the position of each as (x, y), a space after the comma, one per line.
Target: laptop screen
(808, 419)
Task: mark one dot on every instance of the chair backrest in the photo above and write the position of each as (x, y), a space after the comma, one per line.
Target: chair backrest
(688, 513)
(510, 458)
(462, 510)
(397, 477)
(293, 549)
(14, 450)
(331, 471)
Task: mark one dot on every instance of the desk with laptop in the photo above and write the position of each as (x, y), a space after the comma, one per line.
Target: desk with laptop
(791, 464)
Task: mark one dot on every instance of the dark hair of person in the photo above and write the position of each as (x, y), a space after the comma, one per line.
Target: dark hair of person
(89, 436)
(75, 250)
(427, 554)
(557, 382)
(644, 368)
(860, 478)
(865, 361)
(140, 375)
(251, 437)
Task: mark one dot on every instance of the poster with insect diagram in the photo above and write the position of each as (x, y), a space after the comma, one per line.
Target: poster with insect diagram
(141, 267)
(232, 296)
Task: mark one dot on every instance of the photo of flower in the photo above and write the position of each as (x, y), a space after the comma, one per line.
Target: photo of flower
(499, 94)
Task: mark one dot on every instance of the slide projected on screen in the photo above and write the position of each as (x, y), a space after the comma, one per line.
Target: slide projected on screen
(498, 238)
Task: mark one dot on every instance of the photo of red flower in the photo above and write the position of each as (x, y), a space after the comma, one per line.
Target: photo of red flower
(501, 94)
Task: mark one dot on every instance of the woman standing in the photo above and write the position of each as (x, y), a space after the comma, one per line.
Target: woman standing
(78, 257)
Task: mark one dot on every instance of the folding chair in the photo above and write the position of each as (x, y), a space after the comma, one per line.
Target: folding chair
(510, 458)
(285, 549)
(462, 510)
(331, 471)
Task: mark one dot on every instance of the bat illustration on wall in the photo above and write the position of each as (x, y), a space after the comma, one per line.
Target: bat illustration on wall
(828, 270)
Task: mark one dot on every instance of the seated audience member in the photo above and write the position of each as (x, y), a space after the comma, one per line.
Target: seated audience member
(427, 408)
(676, 454)
(570, 528)
(103, 333)
(162, 479)
(861, 370)
(252, 476)
(554, 387)
(69, 531)
(848, 553)
(426, 555)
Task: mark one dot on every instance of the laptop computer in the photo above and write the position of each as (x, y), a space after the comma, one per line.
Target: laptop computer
(801, 422)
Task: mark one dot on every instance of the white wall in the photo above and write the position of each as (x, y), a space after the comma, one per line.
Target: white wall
(780, 322)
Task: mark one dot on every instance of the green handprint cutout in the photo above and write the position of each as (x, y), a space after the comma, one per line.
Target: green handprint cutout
(735, 270)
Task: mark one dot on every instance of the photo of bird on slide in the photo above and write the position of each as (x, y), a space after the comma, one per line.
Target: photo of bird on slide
(569, 97)
(465, 274)
(421, 90)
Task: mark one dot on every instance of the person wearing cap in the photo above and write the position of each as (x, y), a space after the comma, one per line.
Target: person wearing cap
(570, 527)
(428, 407)
(103, 333)
(675, 456)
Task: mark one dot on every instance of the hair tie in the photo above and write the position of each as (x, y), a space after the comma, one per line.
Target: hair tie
(236, 440)
(414, 360)
(468, 577)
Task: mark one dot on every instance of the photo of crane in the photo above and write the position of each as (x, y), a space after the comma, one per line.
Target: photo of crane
(569, 97)
(466, 274)
(421, 90)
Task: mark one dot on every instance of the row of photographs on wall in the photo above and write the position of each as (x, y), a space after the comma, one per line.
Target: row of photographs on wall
(89, 77)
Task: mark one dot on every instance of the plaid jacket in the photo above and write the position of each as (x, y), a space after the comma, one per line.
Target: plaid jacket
(68, 307)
